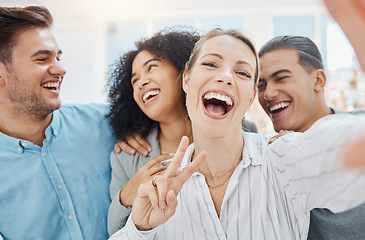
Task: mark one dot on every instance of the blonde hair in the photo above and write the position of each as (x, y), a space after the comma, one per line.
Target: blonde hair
(220, 32)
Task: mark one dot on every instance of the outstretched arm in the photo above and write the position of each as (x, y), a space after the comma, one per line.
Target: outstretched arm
(350, 15)
(312, 167)
(354, 155)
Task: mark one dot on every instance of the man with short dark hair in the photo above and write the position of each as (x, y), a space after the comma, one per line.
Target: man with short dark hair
(291, 91)
(54, 167)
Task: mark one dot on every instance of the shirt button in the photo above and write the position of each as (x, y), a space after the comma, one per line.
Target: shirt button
(55, 131)
(24, 144)
(70, 217)
(19, 149)
(59, 186)
(44, 154)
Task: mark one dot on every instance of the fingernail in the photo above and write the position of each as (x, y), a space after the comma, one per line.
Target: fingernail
(144, 153)
(171, 154)
(133, 152)
(163, 205)
(149, 149)
(172, 197)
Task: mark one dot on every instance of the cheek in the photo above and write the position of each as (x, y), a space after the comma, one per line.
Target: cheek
(136, 96)
(260, 96)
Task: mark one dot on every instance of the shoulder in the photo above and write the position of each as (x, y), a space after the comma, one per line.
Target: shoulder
(252, 138)
(123, 158)
(255, 146)
(354, 112)
(91, 108)
(84, 118)
(86, 113)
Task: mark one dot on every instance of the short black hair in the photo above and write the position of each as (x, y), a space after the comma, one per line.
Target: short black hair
(173, 44)
(309, 56)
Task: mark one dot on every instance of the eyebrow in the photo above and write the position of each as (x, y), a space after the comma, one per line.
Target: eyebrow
(47, 52)
(213, 54)
(280, 71)
(220, 57)
(144, 64)
(276, 73)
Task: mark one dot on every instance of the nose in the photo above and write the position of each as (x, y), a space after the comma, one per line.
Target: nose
(225, 77)
(57, 69)
(143, 81)
(271, 92)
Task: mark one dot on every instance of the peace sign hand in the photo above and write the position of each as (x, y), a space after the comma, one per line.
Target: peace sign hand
(156, 200)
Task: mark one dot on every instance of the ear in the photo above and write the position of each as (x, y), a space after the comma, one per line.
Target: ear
(253, 96)
(3, 72)
(320, 80)
(185, 81)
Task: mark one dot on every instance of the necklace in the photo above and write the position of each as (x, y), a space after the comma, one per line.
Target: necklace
(230, 171)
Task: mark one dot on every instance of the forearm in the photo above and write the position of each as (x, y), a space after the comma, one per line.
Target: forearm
(312, 167)
(117, 216)
(130, 232)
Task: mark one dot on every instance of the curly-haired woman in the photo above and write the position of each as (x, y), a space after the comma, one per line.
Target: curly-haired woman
(146, 97)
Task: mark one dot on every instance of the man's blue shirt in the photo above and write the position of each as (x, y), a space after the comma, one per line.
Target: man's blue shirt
(60, 190)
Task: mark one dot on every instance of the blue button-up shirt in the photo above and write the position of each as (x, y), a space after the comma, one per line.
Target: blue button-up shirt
(60, 190)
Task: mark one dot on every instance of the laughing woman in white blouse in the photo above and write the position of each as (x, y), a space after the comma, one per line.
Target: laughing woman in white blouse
(234, 186)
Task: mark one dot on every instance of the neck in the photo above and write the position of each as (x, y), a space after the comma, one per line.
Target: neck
(171, 133)
(321, 110)
(223, 153)
(24, 127)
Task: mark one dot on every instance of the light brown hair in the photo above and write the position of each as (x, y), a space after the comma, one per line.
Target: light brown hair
(14, 21)
(220, 32)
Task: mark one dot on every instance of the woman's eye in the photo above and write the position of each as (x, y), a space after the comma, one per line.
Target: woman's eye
(41, 59)
(245, 74)
(209, 64)
(281, 78)
(260, 85)
(134, 81)
(151, 66)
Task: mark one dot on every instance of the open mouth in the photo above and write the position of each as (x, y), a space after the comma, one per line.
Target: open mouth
(217, 104)
(150, 95)
(277, 108)
(51, 85)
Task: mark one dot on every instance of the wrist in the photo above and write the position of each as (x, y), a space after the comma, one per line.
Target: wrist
(122, 200)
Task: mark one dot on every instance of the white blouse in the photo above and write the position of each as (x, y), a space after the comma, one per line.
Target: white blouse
(273, 189)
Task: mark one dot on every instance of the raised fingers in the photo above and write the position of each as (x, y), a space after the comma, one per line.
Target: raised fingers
(188, 171)
(176, 161)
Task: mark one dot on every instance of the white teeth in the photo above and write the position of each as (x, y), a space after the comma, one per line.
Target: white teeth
(150, 93)
(220, 97)
(51, 85)
(279, 105)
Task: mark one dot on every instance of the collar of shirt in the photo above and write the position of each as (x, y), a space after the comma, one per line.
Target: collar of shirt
(18, 145)
(251, 155)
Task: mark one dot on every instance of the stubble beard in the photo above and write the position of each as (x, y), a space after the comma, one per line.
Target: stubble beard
(26, 102)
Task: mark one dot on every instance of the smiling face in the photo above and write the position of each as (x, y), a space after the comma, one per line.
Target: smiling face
(156, 86)
(32, 81)
(220, 85)
(286, 92)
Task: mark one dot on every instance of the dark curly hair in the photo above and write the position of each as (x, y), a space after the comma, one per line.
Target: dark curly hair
(173, 44)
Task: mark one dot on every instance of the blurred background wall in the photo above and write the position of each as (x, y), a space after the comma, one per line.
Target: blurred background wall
(94, 33)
